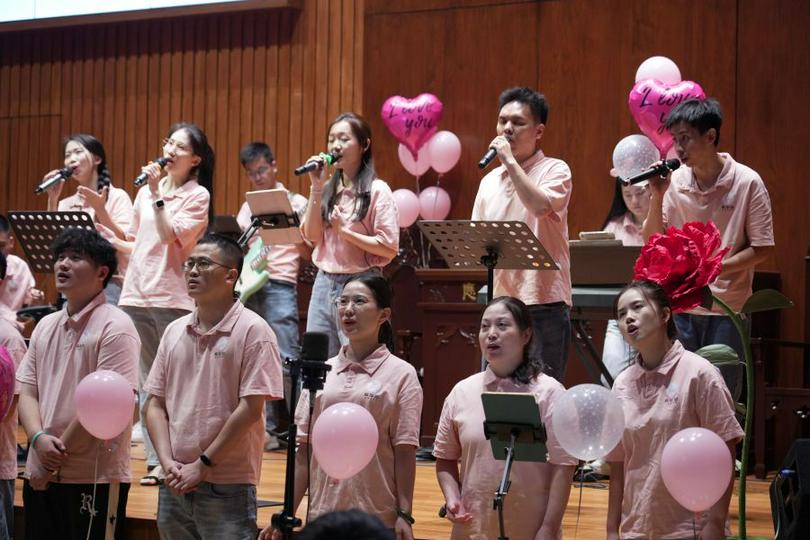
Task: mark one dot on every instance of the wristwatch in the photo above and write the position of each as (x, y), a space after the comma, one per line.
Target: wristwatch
(159, 204)
(206, 460)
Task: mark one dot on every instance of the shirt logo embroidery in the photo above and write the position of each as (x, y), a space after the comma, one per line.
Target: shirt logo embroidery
(671, 394)
(373, 389)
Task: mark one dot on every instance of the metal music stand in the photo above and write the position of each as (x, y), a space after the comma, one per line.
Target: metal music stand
(36, 231)
(509, 245)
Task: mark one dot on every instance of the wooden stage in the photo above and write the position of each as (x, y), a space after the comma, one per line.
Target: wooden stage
(142, 504)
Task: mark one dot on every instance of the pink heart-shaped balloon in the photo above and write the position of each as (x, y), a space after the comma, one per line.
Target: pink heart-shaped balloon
(650, 102)
(412, 121)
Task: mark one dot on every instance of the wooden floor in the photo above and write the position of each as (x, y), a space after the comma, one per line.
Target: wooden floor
(428, 498)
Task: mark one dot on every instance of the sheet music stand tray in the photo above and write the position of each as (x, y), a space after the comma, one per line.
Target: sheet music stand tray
(508, 245)
(272, 217)
(36, 231)
(513, 426)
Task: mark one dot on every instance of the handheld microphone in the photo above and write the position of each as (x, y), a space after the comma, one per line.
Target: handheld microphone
(61, 176)
(489, 156)
(143, 177)
(310, 166)
(659, 170)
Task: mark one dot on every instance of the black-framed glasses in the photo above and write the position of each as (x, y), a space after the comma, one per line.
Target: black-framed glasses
(203, 264)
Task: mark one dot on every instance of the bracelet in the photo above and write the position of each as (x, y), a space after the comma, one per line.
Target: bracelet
(407, 516)
(35, 437)
(206, 460)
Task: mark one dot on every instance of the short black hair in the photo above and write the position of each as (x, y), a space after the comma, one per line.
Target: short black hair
(2, 266)
(702, 115)
(255, 150)
(88, 243)
(5, 226)
(231, 251)
(346, 525)
(523, 94)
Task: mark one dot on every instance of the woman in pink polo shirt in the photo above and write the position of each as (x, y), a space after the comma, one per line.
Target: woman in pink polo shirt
(351, 220)
(468, 474)
(625, 220)
(109, 206)
(171, 214)
(367, 373)
(667, 389)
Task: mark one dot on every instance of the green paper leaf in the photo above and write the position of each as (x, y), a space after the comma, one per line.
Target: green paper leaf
(719, 355)
(766, 300)
(740, 408)
(708, 298)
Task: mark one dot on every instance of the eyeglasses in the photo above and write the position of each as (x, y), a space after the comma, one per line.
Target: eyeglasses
(203, 264)
(261, 171)
(343, 302)
(180, 148)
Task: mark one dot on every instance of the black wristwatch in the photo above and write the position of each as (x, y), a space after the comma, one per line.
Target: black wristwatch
(407, 516)
(206, 461)
(159, 203)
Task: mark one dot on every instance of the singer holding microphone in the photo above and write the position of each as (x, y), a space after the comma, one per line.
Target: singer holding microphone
(367, 373)
(109, 206)
(171, 214)
(712, 186)
(533, 188)
(351, 220)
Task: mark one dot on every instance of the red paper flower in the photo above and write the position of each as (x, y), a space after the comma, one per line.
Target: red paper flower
(683, 262)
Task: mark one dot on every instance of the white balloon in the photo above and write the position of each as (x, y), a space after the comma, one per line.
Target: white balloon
(588, 421)
(632, 155)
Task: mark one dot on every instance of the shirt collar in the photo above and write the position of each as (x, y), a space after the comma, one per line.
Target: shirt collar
(724, 179)
(527, 163)
(79, 318)
(225, 326)
(492, 381)
(668, 363)
(182, 191)
(369, 364)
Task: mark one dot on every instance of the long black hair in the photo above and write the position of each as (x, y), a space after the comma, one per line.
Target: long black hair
(655, 295)
(531, 366)
(203, 172)
(365, 176)
(94, 146)
(382, 293)
(618, 207)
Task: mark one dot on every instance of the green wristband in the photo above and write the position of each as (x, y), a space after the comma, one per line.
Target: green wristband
(35, 437)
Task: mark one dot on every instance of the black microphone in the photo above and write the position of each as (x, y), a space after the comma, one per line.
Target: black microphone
(314, 353)
(659, 170)
(143, 177)
(489, 156)
(310, 166)
(61, 176)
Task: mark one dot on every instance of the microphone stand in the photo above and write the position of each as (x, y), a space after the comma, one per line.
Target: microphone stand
(313, 375)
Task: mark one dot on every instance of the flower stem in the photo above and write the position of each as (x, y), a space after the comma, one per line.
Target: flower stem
(749, 404)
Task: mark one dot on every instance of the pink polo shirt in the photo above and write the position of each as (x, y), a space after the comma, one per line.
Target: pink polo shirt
(739, 205)
(14, 343)
(283, 260)
(497, 200)
(155, 274)
(15, 289)
(202, 376)
(460, 436)
(625, 229)
(388, 387)
(337, 256)
(64, 349)
(684, 391)
(119, 206)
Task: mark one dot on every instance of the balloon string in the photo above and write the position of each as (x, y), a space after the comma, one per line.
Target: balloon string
(581, 489)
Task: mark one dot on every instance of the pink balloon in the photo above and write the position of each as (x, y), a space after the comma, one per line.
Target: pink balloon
(696, 468)
(408, 207)
(650, 102)
(416, 167)
(434, 203)
(105, 402)
(412, 121)
(344, 439)
(444, 149)
(659, 68)
(7, 372)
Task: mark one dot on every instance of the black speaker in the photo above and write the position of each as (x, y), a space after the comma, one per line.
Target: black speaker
(790, 494)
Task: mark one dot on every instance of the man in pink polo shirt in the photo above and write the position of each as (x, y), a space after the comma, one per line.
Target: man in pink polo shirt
(277, 301)
(214, 369)
(17, 290)
(535, 189)
(710, 185)
(71, 477)
(14, 344)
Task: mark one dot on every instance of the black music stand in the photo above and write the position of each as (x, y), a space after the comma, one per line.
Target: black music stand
(273, 218)
(508, 245)
(516, 433)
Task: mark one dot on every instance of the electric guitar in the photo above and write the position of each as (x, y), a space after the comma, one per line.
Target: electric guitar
(254, 271)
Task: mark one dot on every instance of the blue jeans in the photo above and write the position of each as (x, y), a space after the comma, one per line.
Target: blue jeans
(322, 313)
(617, 354)
(212, 511)
(277, 303)
(696, 331)
(551, 325)
(113, 292)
